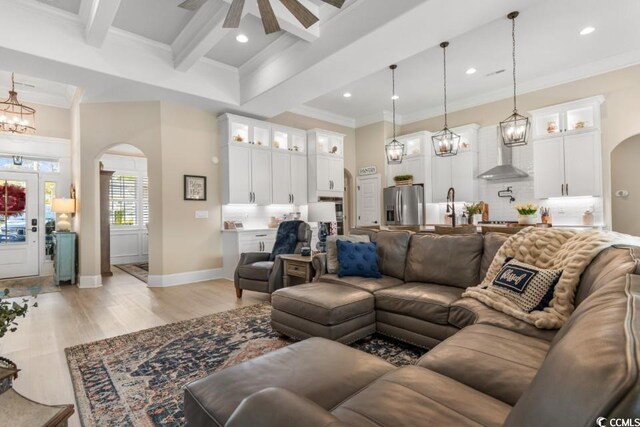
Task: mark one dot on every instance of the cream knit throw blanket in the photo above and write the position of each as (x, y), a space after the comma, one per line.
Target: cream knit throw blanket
(548, 248)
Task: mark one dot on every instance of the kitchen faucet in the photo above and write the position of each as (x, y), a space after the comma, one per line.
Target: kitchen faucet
(451, 198)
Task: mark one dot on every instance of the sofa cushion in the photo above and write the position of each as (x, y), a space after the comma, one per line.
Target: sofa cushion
(323, 303)
(527, 286)
(364, 283)
(392, 252)
(491, 244)
(495, 361)
(412, 396)
(469, 311)
(320, 370)
(332, 250)
(256, 271)
(592, 368)
(357, 259)
(446, 260)
(423, 301)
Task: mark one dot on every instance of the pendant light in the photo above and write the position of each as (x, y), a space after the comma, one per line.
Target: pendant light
(14, 116)
(445, 142)
(394, 149)
(515, 128)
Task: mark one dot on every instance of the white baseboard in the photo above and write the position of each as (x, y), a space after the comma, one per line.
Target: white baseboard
(135, 259)
(165, 280)
(88, 282)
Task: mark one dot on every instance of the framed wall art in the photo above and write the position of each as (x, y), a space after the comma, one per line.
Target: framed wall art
(195, 187)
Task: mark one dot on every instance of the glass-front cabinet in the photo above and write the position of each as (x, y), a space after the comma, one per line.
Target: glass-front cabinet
(243, 130)
(572, 117)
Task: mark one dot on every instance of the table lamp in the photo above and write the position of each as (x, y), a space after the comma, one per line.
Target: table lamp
(63, 207)
(322, 212)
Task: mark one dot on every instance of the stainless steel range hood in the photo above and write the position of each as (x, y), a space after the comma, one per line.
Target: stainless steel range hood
(504, 170)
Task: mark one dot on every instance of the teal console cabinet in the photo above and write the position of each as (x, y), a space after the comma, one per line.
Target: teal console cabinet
(64, 257)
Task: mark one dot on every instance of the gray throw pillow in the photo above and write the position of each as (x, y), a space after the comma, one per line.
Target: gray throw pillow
(332, 250)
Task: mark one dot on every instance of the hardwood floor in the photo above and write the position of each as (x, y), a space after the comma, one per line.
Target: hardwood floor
(76, 316)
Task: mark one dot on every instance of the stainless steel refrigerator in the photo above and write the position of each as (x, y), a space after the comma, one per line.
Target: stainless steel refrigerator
(404, 205)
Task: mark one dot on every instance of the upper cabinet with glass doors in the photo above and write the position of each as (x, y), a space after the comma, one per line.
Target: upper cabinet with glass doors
(569, 118)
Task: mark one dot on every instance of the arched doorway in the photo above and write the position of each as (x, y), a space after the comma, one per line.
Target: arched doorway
(124, 211)
(625, 186)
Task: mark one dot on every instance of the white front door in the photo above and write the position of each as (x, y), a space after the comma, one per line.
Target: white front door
(368, 188)
(18, 224)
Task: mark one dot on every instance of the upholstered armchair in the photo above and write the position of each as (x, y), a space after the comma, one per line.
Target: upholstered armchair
(262, 272)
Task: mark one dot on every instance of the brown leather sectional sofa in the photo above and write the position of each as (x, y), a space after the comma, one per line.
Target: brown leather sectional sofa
(484, 367)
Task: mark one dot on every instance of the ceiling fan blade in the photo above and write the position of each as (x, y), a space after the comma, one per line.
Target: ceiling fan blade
(301, 13)
(269, 20)
(192, 5)
(234, 15)
(336, 3)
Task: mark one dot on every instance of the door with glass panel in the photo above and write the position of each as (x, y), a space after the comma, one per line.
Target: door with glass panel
(18, 224)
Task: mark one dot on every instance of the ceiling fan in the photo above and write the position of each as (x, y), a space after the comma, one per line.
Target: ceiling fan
(269, 19)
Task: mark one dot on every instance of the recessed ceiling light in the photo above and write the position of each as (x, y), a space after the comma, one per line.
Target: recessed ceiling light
(394, 97)
(241, 38)
(471, 71)
(587, 30)
(347, 94)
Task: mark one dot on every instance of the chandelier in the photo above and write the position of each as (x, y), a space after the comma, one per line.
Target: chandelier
(514, 129)
(14, 116)
(445, 142)
(394, 149)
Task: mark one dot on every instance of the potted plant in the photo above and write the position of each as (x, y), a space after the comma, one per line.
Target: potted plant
(528, 214)
(403, 180)
(9, 312)
(474, 212)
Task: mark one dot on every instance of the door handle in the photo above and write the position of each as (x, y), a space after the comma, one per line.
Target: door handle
(400, 207)
(562, 188)
(293, 198)
(567, 187)
(34, 229)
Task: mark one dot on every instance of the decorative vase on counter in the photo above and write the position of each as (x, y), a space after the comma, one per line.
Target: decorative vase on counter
(528, 219)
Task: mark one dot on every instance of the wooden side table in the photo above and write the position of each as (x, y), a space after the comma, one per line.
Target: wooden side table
(296, 266)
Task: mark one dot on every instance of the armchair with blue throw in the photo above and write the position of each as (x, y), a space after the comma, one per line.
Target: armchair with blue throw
(262, 272)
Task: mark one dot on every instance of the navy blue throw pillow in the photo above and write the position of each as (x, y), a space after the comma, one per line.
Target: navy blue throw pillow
(357, 259)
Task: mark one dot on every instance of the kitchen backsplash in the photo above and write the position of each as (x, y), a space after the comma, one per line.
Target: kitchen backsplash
(565, 211)
(254, 217)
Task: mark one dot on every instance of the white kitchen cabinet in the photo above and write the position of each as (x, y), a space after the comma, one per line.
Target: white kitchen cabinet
(568, 166)
(238, 190)
(257, 162)
(569, 118)
(281, 166)
(325, 164)
(289, 178)
(457, 171)
(416, 161)
(548, 168)
(299, 179)
(261, 176)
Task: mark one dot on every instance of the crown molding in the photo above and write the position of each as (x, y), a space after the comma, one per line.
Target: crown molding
(383, 116)
(326, 116)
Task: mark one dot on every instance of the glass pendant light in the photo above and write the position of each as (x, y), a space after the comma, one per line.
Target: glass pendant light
(515, 128)
(394, 149)
(445, 142)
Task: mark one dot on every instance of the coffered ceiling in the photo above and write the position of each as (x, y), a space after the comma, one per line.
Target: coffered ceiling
(124, 50)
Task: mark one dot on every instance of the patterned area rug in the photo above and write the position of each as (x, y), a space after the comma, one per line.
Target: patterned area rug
(137, 379)
(138, 270)
(29, 286)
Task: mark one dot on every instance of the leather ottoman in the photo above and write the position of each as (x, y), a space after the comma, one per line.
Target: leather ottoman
(336, 312)
(326, 377)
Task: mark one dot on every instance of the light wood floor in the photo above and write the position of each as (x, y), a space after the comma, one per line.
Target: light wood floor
(76, 316)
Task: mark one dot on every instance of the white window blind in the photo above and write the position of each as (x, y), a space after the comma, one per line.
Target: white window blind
(145, 200)
(123, 200)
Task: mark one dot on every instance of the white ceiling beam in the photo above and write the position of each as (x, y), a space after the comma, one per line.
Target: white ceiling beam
(287, 21)
(200, 35)
(99, 21)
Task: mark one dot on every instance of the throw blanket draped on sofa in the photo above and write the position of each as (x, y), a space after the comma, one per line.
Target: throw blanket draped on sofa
(286, 239)
(548, 248)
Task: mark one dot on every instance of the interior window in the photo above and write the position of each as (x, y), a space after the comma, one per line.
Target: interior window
(123, 200)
